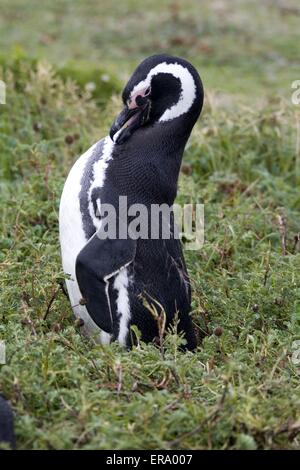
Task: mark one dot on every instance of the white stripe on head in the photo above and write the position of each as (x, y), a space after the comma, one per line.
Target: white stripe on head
(188, 88)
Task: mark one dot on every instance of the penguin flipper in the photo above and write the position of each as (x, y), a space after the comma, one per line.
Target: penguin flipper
(96, 263)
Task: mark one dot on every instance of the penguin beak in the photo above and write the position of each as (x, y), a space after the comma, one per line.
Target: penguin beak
(129, 120)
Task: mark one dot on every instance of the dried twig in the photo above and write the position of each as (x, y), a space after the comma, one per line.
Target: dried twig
(296, 242)
(27, 320)
(62, 285)
(282, 230)
(267, 269)
(119, 373)
(160, 319)
(53, 297)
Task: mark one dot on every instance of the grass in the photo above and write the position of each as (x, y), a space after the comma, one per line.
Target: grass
(240, 390)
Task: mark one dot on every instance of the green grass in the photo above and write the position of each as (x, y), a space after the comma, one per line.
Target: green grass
(240, 390)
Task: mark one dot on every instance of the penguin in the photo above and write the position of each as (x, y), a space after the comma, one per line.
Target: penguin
(117, 282)
(7, 435)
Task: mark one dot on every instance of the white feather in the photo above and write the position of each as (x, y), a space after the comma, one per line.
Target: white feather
(188, 88)
(73, 239)
(72, 236)
(99, 170)
(123, 306)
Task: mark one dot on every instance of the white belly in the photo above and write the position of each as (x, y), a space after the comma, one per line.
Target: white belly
(73, 239)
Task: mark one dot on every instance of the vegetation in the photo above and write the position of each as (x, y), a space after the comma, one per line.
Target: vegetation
(240, 390)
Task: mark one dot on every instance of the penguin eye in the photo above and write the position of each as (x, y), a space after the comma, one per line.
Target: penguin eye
(147, 92)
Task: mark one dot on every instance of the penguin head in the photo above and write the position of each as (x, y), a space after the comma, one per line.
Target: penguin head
(162, 89)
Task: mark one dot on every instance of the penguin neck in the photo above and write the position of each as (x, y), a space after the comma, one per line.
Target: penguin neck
(165, 142)
(155, 152)
(163, 146)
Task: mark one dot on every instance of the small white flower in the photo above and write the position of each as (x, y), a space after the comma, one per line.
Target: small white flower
(90, 86)
(105, 78)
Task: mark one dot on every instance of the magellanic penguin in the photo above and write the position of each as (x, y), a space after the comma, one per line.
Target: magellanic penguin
(114, 280)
